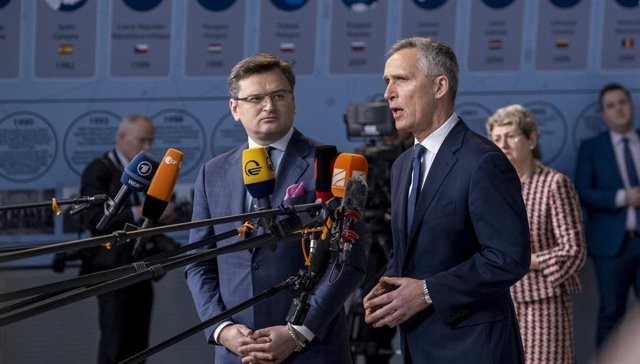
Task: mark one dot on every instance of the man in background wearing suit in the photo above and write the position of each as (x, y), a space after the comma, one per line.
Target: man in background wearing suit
(607, 182)
(124, 314)
(261, 91)
(460, 230)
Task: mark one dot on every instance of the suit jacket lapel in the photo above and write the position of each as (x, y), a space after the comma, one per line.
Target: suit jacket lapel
(404, 180)
(442, 165)
(234, 184)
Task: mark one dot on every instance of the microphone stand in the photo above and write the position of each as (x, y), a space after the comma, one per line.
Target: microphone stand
(286, 229)
(81, 201)
(268, 293)
(97, 277)
(122, 235)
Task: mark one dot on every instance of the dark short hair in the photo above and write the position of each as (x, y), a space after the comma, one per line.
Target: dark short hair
(260, 63)
(612, 87)
(436, 59)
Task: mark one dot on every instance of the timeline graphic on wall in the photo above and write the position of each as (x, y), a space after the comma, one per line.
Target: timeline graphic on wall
(288, 31)
(563, 34)
(214, 37)
(65, 39)
(10, 38)
(430, 19)
(358, 34)
(621, 33)
(140, 38)
(495, 36)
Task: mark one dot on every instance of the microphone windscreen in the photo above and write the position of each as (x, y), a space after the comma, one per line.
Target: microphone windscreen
(162, 185)
(355, 196)
(139, 173)
(347, 165)
(258, 173)
(323, 170)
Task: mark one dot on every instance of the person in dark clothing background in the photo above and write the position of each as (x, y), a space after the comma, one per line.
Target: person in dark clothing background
(124, 314)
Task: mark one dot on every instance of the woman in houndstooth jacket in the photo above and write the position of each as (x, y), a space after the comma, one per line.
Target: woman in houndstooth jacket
(543, 297)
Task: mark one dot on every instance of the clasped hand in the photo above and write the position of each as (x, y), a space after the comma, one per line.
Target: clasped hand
(269, 345)
(393, 300)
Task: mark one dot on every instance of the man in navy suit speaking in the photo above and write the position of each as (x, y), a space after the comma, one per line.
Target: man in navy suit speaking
(460, 230)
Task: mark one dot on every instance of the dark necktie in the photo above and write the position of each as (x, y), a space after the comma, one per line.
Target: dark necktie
(631, 172)
(418, 152)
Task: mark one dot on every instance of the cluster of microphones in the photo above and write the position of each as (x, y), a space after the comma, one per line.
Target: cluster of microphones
(340, 184)
(341, 192)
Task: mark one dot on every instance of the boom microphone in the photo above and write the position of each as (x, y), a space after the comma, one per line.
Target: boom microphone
(259, 176)
(136, 178)
(347, 165)
(323, 170)
(160, 190)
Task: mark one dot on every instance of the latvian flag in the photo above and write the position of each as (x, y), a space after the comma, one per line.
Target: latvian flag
(214, 48)
(287, 47)
(141, 48)
(628, 43)
(358, 46)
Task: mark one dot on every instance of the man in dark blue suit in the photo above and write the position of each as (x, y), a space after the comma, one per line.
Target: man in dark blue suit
(460, 230)
(607, 182)
(261, 90)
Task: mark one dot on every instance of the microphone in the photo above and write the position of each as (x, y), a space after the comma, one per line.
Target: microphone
(136, 178)
(259, 176)
(346, 166)
(259, 179)
(308, 280)
(323, 168)
(160, 190)
(352, 209)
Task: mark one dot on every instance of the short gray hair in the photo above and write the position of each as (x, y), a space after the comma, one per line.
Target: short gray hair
(435, 57)
(520, 117)
(128, 121)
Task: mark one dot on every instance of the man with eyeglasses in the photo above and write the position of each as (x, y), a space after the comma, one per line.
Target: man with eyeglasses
(261, 98)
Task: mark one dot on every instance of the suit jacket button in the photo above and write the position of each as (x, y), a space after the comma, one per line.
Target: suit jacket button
(255, 266)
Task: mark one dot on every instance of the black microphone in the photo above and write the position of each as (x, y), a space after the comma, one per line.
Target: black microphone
(323, 170)
(136, 178)
(351, 211)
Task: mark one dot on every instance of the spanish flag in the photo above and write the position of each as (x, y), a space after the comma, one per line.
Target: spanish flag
(65, 49)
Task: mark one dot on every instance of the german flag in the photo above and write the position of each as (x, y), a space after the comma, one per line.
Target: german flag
(562, 43)
(65, 49)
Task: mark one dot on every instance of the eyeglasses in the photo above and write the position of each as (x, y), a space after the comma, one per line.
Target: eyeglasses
(510, 138)
(278, 97)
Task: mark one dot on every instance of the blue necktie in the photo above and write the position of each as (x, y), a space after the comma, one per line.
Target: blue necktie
(418, 152)
(632, 173)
